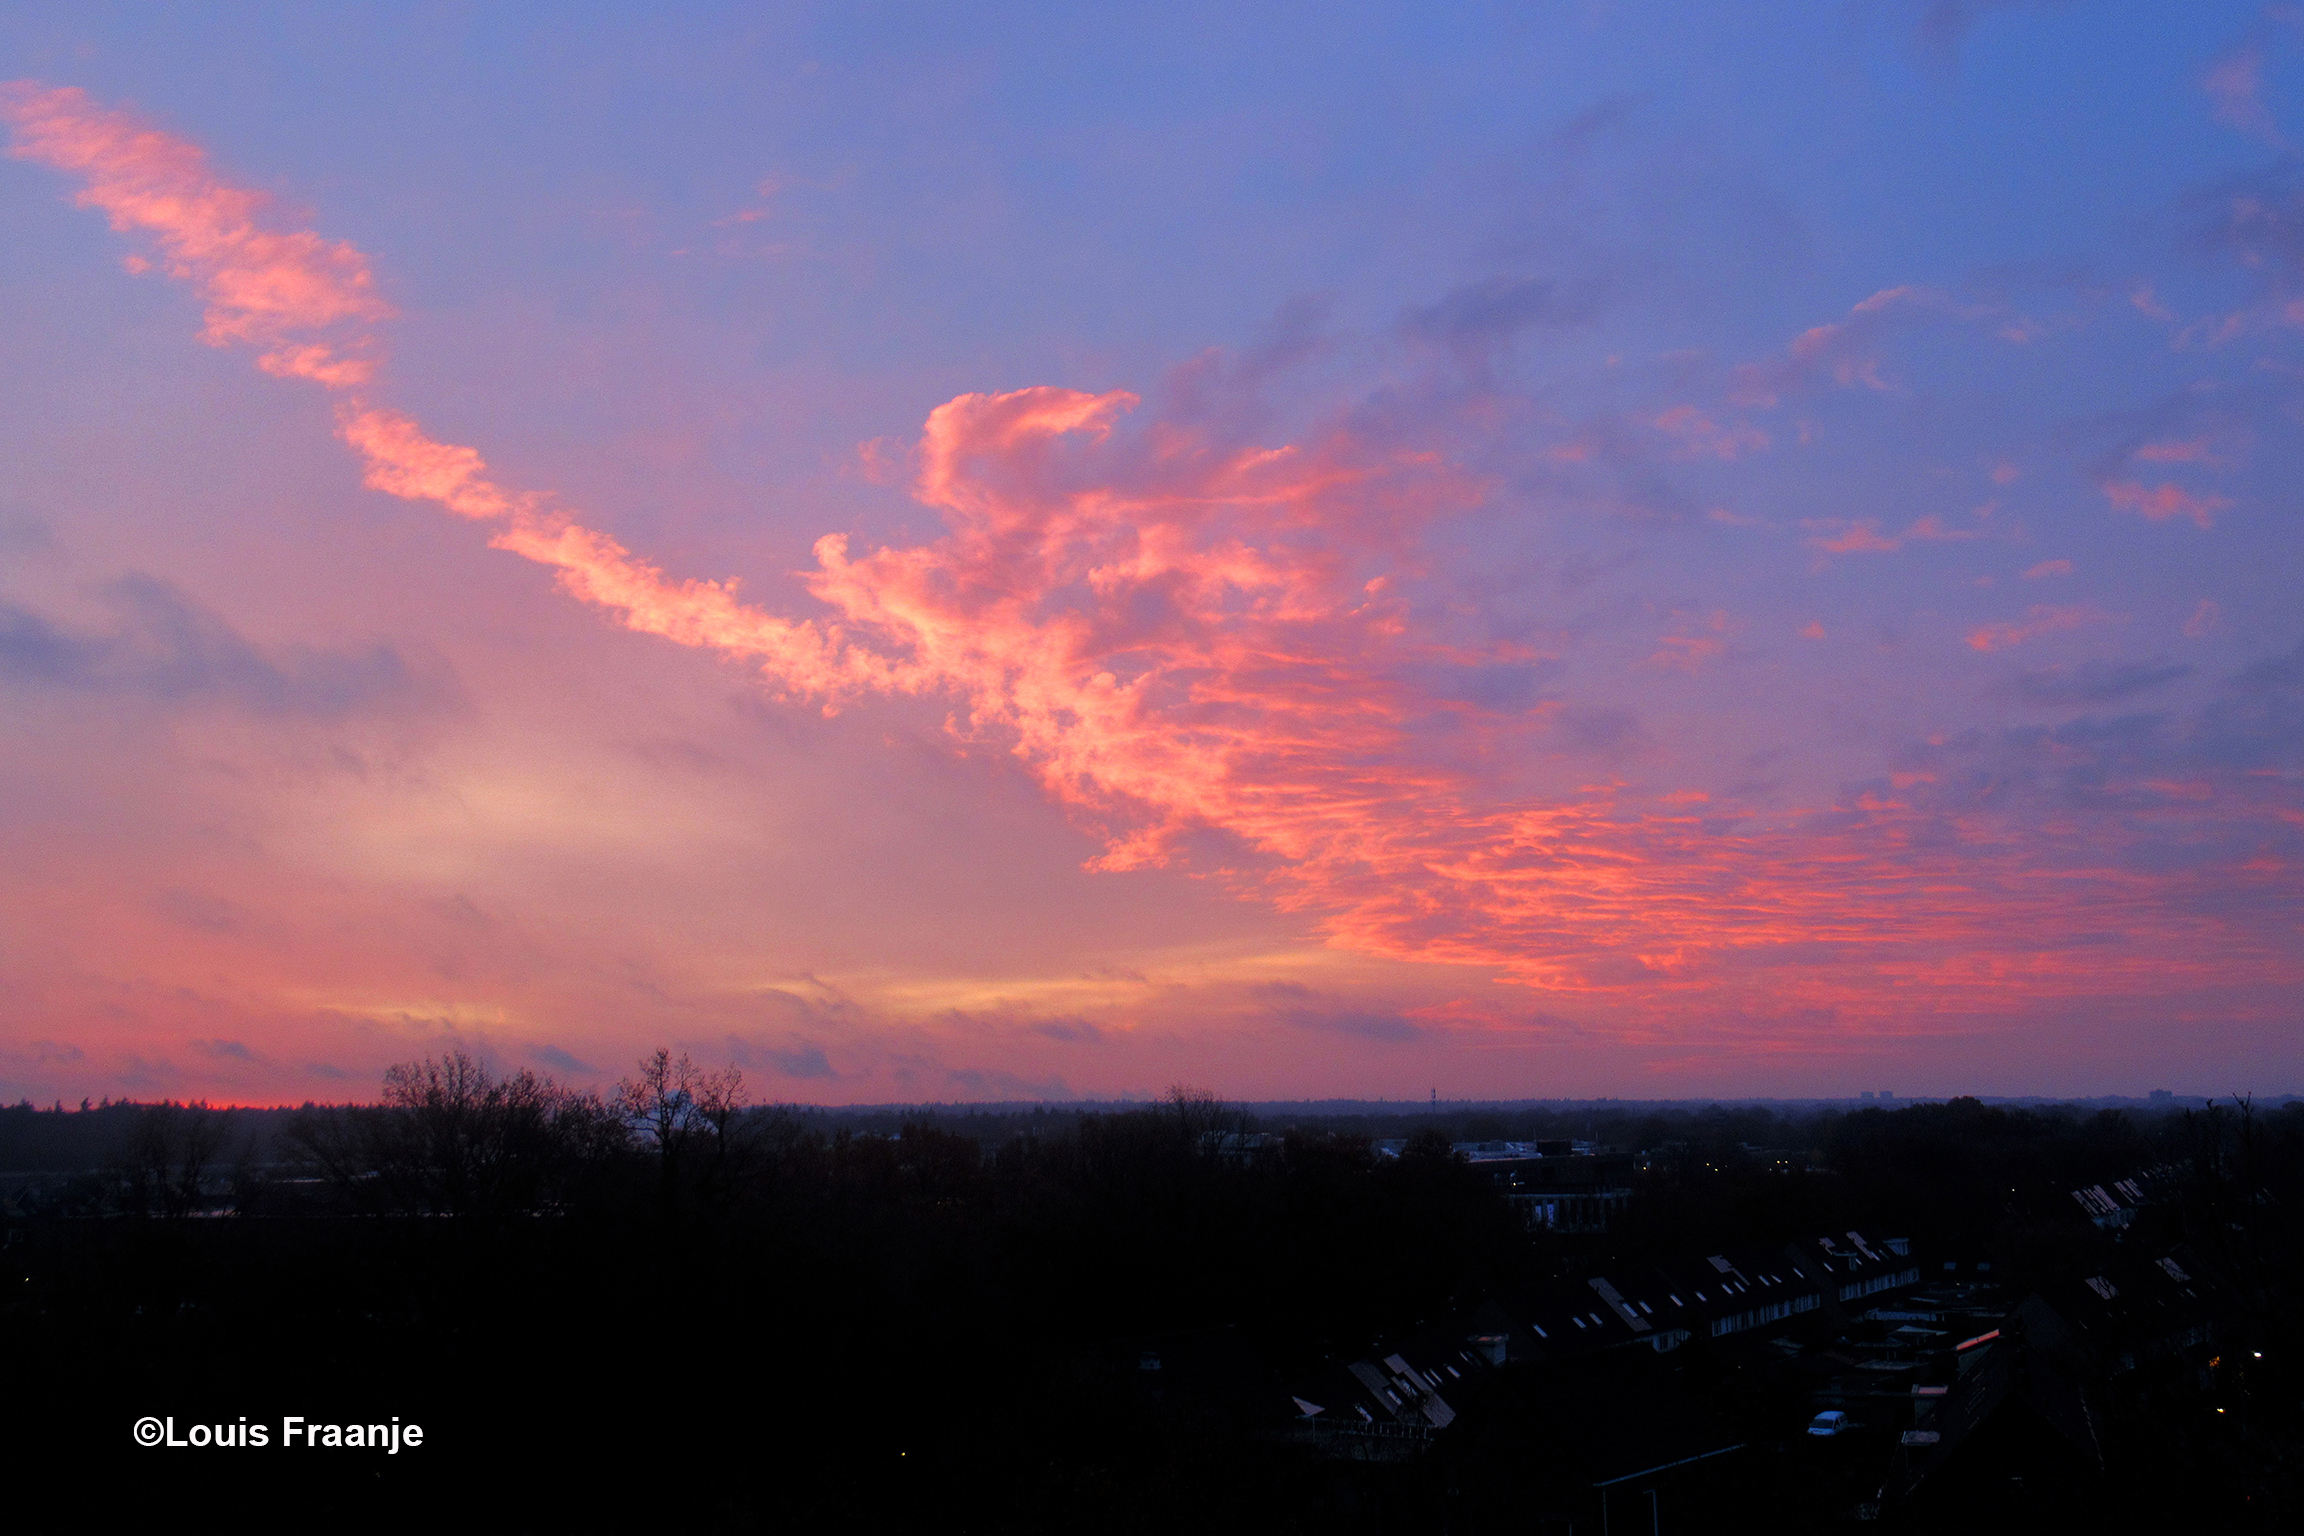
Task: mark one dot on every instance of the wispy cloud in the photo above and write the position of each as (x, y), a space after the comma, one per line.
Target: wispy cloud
(163, 646)
(2040, 619)
(1179, 633)
(286, 291)
(2166, 500)
(2235, 83)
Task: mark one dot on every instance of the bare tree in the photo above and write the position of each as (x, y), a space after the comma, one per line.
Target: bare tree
(450, 1138)
(688, 1115)
(170, 1149)
(1208, 1125)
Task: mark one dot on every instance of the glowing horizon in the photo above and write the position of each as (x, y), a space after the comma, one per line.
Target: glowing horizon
(1784, 713)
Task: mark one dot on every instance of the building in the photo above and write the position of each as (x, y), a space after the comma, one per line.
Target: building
(1561, 1186)
(1851, 1271)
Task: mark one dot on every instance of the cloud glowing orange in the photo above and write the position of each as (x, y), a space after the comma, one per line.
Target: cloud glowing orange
(1177, 633)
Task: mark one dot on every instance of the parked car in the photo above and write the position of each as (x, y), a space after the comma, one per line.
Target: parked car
(1830, 1422)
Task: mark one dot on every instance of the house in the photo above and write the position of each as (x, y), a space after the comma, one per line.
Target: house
(2013, 1433)
(2105, 1325)
(1618, 1441)
(1388, 1407)
(1851, 1270)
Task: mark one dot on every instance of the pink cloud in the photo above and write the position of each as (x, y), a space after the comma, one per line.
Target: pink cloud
(1689, 652)
(2048, 568)
(2190, 451)
(2146, 301)
(2235, 84)
(262, 286)
(1846, 351)
(1174, 634)
(2037, 621)
(1702, 437)
(1932, 529)
(2164, 501)
(1837, 536)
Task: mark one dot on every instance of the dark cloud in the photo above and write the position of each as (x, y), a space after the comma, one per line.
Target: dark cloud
(1943, 25)
(198, 911)
(2247, 736)
(806, 1003)
(2259, 219)
(1578, 132)
(165, 647)
(558, 1060)
(1222, 391)
(1598, 729)
(143, 1073)
(224, 1050)
(1070, 1031)
(1298, 333)
(2257, 722)
(1495, 309)
(1361, 1024)
(43, 1053)
(23, 534)
(2284, 671)
(795, 1058)
(990, 1081)
(2096, 682)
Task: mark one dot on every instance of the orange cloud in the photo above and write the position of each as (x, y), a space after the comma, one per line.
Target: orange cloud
(1174, 633)
(283, 290)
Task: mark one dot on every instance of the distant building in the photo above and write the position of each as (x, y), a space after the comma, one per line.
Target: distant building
(1562, 1186)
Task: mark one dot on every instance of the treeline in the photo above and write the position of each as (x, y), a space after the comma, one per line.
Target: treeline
(922, 1322)
(871, 1327)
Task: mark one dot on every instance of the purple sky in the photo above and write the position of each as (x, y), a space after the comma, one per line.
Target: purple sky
(1008, 552)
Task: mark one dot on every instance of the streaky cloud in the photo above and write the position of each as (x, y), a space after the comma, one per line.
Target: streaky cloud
(1176, 633)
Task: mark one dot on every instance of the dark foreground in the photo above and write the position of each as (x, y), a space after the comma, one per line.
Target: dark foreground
(746, 1323)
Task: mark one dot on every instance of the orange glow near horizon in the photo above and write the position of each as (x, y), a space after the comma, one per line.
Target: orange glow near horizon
(1242, 663)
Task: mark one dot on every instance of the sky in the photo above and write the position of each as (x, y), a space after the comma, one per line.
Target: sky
(995, 552)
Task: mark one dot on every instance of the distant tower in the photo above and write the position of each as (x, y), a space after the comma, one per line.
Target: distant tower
(1435, 1098)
